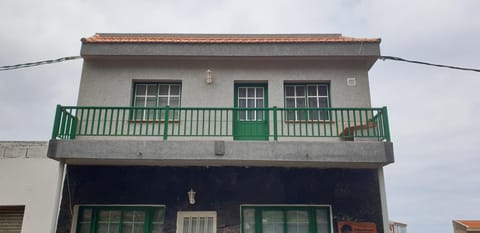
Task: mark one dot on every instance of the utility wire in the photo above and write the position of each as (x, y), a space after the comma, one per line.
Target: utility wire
(25, 65)
(427, 63)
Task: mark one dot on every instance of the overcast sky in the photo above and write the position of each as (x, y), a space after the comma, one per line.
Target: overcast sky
(434, 112)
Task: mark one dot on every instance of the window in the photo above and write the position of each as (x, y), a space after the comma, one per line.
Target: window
(120, 219)
(197, 222)
(307, 96)
(11, 218)
(251, 97)
(152, 95)
(286, 219)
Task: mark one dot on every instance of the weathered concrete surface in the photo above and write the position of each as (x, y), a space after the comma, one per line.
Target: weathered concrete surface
(236, 153)
(21, 149)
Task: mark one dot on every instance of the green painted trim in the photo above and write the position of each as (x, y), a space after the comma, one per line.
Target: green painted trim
(266, 116)
(312, 224)
(147, 223)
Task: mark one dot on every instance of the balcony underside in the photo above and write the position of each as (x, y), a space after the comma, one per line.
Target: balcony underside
(328, 154)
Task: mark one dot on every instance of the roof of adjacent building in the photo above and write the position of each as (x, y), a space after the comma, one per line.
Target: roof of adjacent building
(469, 224)
(224, 38)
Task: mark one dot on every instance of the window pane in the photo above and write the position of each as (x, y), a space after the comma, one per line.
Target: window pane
(158, 217)
(259, 92)
(242, 92)
(242, 103)
(174, 102)
(141, 88)
(250, 103)
(186, 225)
(297, 221)
(290, 103)
(322, 90)
(289, 91)
(312, 103)
(163, 89)
(322, 220)
(162, 101)
(301, 103)
(251, 92)
(210, 225)
(151, 102)
(300, 90)
(174, 90)
(108, 221)
(85, 220)
(248, 221)
(323, 103)
(152, 89)
(259, 103)
(272, 221)
(312, 91)
(139, 102)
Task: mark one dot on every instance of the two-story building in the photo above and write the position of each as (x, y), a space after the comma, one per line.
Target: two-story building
(194, 133)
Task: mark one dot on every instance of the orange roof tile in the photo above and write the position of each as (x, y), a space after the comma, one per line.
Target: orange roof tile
(470, 223)
(224, 39)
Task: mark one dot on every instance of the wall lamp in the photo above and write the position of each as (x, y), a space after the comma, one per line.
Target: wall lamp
(191, 197)
(209, 77)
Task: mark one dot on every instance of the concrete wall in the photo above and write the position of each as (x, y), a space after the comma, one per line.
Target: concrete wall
(28, 178)
(353, 194)
(109, 82)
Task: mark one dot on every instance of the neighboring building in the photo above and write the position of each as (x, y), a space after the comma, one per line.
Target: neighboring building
(29, 188)
(223, 133)
(398, 227)
(466, 226)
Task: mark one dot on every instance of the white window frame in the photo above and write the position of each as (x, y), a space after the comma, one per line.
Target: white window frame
(182, 214)
(155, 95)
(306, 98)
(245, 114)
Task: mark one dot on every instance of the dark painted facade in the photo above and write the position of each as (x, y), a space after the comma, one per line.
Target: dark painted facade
(353, 194)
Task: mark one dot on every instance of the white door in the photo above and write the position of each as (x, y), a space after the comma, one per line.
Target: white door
(197, 222)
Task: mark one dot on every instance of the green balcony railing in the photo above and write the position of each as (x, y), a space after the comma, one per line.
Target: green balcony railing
(239, 123)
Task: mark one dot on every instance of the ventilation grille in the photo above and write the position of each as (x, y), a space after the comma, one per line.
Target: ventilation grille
(11, 219)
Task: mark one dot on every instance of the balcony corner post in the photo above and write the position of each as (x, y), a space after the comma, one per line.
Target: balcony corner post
(56, 122)
(385, 124)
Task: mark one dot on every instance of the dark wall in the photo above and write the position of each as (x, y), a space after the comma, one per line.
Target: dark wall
(352, 193)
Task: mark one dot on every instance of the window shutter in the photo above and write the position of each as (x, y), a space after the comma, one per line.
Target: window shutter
(11, 218)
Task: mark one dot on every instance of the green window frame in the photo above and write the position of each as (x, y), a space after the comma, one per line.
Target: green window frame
(120, 219)
(286, 219)
(307, 95)
(155, 95)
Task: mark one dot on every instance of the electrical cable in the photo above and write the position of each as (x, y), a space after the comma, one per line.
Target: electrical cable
(25, 65)
(427, 63)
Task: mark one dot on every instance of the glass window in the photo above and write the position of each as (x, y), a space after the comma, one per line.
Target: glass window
(312, 96)
(153, 95)
(120, 219)
(251, 97)
(286, 219)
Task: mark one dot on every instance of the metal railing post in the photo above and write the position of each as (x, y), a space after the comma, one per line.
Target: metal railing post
(56, 123)
(385, 124)
(165, 125)
(275, 132)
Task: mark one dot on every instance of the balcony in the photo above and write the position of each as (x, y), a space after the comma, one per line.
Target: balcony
(222, 136)
(236, 123)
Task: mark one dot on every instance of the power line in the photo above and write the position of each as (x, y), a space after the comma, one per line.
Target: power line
(427, 63)
(25, 65)
(38, 63)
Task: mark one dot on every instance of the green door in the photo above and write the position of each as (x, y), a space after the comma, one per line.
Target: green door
(250, 124)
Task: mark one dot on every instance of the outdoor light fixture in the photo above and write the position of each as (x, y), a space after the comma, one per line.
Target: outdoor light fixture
(209, 77)
(191, 197)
